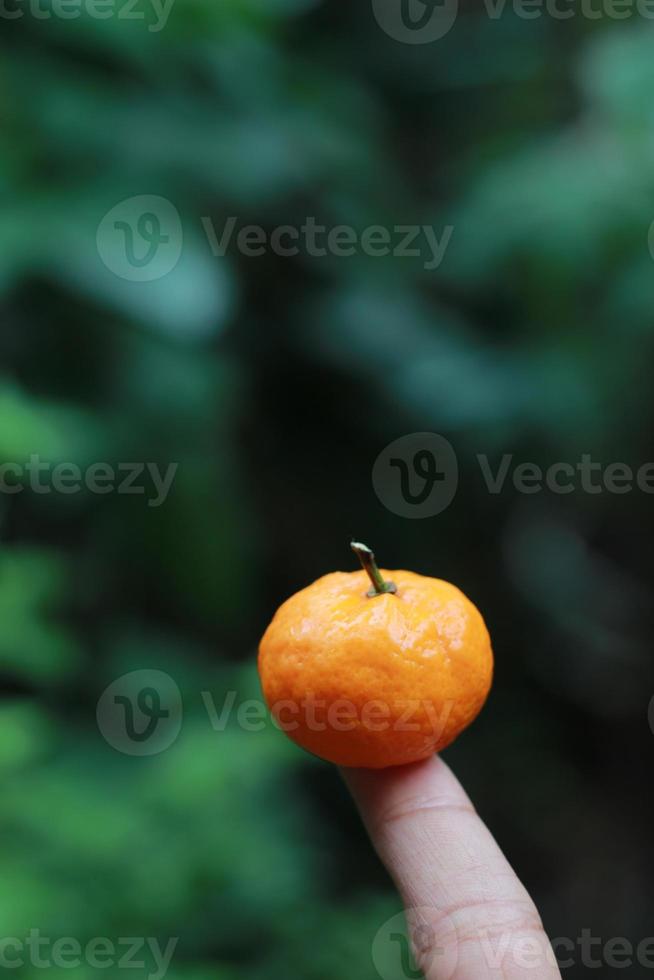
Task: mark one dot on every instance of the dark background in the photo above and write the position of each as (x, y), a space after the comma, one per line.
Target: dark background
(274, 383)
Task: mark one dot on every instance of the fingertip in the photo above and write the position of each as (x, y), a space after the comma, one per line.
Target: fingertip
(371, 786)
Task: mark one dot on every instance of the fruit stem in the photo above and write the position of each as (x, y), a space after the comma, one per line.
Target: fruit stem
(369, 565)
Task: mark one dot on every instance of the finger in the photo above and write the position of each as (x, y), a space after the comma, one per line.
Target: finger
(447, 867)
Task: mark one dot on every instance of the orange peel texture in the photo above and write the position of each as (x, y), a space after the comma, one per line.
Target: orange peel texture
(376, 681)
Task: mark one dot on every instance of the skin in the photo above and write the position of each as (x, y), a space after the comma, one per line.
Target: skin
(409, 637)
(479, 920)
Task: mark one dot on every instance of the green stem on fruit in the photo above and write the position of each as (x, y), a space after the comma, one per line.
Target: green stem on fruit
(369, 565)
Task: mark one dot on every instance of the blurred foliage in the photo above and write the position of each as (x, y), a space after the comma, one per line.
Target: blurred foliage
(274, 383)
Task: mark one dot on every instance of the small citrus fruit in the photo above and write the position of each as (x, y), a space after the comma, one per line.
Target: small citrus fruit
(375, 677)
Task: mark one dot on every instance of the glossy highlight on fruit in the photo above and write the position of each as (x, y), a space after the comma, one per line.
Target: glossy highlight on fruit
(375, 677)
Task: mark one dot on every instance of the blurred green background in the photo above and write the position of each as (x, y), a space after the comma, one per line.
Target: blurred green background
(274, 383)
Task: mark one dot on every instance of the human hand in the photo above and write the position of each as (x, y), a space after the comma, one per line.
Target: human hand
(480, 920)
